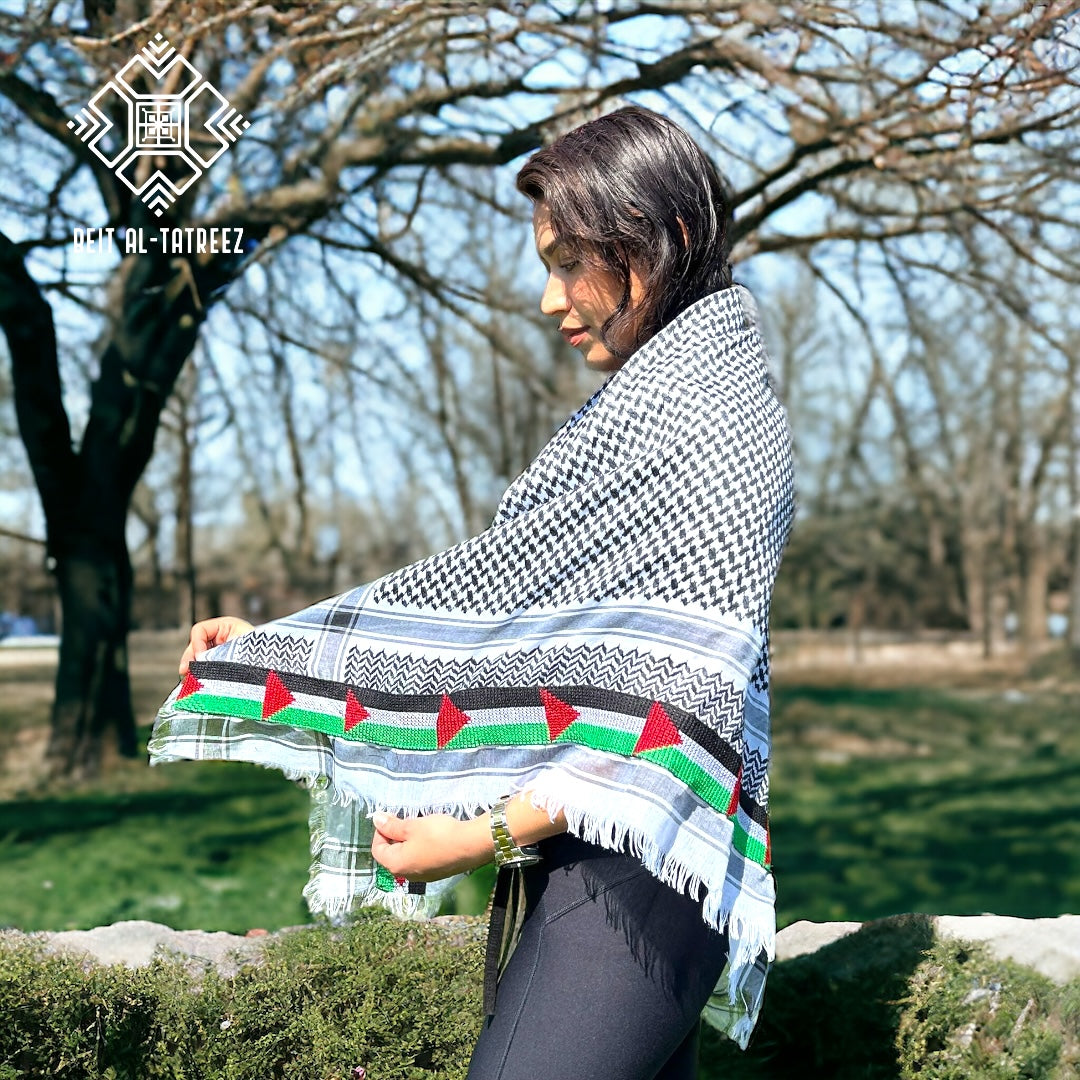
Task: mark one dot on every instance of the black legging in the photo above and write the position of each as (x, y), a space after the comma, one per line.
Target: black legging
(609, 976)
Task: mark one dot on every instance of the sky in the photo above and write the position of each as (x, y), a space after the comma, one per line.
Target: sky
(766, 274)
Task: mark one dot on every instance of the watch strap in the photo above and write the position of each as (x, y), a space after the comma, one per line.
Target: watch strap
(507, 853)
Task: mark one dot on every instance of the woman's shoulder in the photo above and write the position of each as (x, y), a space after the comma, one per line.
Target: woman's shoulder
(714, 345)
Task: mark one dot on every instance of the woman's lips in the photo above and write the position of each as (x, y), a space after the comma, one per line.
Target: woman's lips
(576, 335)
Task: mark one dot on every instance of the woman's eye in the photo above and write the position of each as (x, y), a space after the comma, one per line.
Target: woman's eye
(569, 266)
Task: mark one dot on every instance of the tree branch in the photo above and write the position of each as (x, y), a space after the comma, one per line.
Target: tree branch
(39, 107)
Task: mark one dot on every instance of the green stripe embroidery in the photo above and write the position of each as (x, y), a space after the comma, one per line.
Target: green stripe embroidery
(293, 716)
(691, 774)
(600, 738)
(747, 845)
(499, 735)
(399, 737)
(241, 708)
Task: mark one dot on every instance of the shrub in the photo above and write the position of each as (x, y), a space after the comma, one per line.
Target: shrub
(971, 1015)
(891, 1003)
(832, 1013)
(321, 1002)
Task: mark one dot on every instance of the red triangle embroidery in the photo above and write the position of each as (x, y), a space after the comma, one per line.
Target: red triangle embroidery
(355, 713)
(768, 848)
(733, 802)
(277, 696)
(658, 731)
(450, 721)
(558, 714)
(191, 686)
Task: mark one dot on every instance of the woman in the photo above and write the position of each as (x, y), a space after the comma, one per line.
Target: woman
(580, 692)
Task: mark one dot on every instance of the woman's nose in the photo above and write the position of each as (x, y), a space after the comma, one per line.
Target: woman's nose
(554, 299)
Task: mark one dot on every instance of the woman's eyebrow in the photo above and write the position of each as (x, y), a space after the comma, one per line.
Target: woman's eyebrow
(547, 250)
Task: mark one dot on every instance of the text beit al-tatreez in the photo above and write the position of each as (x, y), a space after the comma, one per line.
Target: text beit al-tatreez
(210, 240)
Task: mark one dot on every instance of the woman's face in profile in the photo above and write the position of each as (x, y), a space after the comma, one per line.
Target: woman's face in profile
(579, 295)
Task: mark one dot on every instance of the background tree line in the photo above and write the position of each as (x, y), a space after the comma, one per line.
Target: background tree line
(357, 386)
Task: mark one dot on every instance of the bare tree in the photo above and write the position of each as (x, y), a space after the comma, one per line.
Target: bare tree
(417, 395)
(1073, 444)
(882, 122)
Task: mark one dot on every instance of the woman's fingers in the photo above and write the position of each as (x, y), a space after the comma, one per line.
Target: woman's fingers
(391, 827)
(390, 831)
(210, 632)
(185, 660)
(431, 847)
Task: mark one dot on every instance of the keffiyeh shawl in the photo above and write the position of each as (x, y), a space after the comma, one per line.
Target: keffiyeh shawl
(602, 646)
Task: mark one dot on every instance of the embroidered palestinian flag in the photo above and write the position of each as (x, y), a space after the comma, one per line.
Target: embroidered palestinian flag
(602, 646)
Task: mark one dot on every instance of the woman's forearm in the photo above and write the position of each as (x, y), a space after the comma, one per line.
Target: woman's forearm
(527, 825)
(438, 845)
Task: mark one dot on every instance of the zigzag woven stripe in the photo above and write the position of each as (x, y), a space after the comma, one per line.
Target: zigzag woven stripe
(605, 720)
(273, 649)
(601, 647)
(695, 690)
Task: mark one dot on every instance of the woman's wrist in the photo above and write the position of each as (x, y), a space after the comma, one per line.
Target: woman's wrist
(477, 839)
(527, 825)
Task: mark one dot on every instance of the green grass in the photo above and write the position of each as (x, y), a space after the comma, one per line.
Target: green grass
(883, 801)
(973, 804)
(194, 845)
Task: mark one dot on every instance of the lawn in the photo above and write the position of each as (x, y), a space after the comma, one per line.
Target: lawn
(886, 799)
(936, 800)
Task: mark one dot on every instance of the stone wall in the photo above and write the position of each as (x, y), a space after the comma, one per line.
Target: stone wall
(1049, 946)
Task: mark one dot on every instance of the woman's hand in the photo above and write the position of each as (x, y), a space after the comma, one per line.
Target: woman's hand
(210, 632)
(438, 846)
(432, 847)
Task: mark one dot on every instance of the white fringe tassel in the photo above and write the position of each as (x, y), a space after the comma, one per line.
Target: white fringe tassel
(748, 920)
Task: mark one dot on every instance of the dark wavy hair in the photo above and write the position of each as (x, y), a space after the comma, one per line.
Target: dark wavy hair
(621, 190)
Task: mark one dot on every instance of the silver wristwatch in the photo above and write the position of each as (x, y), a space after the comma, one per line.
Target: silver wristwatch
(507, 853)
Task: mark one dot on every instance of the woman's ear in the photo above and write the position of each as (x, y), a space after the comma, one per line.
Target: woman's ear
(685, 233)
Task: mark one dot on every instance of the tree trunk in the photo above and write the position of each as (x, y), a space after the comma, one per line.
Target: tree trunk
(1033, 573)
(1072, 443)
(987, 609)
(185, 528)
(856, 619)
(1074, 587)
(86, 494)
(974, 575)
(92, 686)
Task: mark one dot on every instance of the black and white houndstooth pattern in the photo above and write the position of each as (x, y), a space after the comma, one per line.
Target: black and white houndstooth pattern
(673, 483)
(635, 556)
